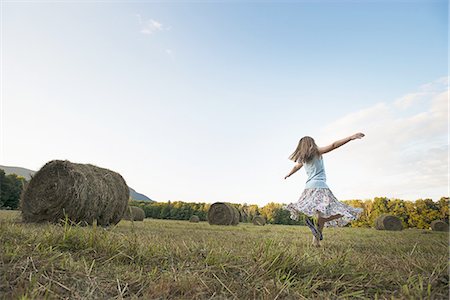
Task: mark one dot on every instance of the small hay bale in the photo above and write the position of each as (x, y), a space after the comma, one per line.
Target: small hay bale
(221, 213)
(388, 222)
(259, 220)
(138, 213)
(439, 225)
(82, 192)
(244, 215)
(377, 223)
(194, 219)
(134, 213)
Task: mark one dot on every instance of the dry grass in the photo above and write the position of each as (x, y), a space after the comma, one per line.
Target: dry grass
(158, 259)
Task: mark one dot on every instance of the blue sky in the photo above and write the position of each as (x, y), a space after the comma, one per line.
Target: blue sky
(201, 101)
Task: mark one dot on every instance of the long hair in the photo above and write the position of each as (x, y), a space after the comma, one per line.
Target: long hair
(306, 150)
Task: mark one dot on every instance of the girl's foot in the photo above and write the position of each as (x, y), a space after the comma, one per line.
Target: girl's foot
(316, 242)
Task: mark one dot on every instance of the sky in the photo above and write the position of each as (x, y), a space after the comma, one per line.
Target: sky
(203, 101)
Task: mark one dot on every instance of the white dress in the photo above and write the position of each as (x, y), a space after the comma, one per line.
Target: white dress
(317, 198)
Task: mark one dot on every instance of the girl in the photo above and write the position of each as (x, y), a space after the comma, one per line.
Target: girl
(317, 199)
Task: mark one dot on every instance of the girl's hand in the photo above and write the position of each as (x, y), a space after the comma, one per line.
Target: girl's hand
(358, 135)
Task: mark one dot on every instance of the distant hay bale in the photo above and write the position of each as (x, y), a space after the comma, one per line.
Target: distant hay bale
(259, 220)
(82, 192)
(221, 213)
(134, 213)
(377, 223)
(439, 225)
(194, 219)
(244, 216)
(388, 222)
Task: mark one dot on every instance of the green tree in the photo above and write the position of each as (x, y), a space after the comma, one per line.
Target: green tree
(269, 211)
(379, 207)
(443, 208)
(422, 213)
(10, 189)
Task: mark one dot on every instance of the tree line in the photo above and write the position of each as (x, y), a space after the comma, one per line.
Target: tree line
(418, 214)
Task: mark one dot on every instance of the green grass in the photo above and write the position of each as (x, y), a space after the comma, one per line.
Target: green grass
(161, 259)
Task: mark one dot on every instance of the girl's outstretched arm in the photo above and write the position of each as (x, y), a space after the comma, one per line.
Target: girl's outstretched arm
(339, 143)
(297, 167)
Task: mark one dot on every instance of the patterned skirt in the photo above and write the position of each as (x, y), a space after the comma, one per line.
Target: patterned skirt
(322, 202)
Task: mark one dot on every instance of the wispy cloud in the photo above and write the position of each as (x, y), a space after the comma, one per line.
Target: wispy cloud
(150, 26)
(405, 151)
(422, 93)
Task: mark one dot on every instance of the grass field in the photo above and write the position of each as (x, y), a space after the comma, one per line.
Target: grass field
(161, 259)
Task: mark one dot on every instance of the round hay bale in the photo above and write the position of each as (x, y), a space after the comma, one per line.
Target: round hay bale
(221, 213)
(377, 223)
(237, 215)
(194, 219)
(439, 225)
(134, 213)
(82, 192)
(138, 213)
(388, 222)
(259, 220)
(244, 216)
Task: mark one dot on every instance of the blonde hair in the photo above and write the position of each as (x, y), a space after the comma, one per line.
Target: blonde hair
(306, 150)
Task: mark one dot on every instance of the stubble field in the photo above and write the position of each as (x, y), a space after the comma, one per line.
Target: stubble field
(162, 259)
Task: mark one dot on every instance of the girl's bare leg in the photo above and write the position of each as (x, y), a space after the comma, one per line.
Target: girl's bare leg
(321, 222)
(334, 217)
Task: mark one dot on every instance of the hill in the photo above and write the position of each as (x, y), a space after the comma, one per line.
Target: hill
(138, 196)
(27, 174)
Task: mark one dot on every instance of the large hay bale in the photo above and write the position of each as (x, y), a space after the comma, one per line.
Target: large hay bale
(439, 225)
(259, 220)
(388, 222)
(134, 213)
(82, 192)
(194, 219)
(221, 213)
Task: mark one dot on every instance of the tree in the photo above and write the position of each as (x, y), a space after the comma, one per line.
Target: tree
(10, 189)
(443, 208)
(422, 213)
(399, 209)
(379, 207)
(269, 211)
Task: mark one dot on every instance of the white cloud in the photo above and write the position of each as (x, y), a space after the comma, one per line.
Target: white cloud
(409, 99)
(422, 94)
(150, 26)
(404, 153)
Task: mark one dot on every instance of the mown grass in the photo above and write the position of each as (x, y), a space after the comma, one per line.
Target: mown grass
(160, 259)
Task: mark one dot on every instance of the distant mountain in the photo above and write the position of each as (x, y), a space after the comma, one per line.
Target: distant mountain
(138, 196)
(27, 174)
